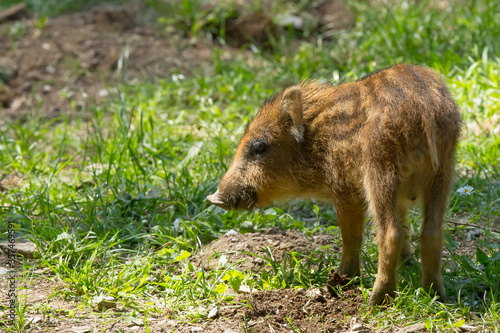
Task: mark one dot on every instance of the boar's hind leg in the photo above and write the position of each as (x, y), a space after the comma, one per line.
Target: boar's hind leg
(351, 227)
(431, 238)
(382, 193)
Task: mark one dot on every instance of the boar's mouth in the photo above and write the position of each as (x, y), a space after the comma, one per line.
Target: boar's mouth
(245, 200)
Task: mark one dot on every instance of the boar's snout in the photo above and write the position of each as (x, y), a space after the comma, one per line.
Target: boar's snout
(215, 200)
(244, 199)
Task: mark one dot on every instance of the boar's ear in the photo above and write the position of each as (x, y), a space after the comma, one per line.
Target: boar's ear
(290, 111)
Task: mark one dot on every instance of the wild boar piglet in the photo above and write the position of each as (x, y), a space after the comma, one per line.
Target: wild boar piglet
(378, 145)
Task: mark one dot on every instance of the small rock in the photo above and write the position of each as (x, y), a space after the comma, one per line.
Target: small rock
(258, 260)
(196, 329)
(103, 93)
(81, 329)
(3, 271)
(466, 328)
(316, 295)
(313, 292)
(229, 330)
(16, 104)
(214, 313)
(358, 326)
(286, 245)
(233, 240)
(41, 270)
(241, 247)
(23, 248)
(171, 322)
(33, 320)
(412, 328)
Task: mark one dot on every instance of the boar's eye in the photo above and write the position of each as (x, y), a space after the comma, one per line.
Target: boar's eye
(258, 147)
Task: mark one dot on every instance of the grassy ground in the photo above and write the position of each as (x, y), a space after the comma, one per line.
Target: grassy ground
(100, 194)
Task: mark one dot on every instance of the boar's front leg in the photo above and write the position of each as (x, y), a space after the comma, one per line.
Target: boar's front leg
(350, 218)
(381, 186)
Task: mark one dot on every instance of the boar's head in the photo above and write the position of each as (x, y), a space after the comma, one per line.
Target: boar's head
(270, 157)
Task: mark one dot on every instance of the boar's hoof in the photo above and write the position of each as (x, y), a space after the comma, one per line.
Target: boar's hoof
(380, 296)
(437, 289)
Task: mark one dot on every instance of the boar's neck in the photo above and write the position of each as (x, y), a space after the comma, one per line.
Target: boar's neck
(333, 117)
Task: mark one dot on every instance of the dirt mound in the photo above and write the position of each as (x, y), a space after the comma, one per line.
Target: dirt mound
(286, 310)
(237, 248)
(76, 57)
(314, 310)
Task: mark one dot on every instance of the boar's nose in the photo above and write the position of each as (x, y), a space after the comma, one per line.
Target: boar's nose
(214, 199)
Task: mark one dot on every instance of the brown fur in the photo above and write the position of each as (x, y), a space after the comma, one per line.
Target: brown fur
(380, 144)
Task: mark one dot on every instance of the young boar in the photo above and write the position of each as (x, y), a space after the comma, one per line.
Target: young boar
(380, 144)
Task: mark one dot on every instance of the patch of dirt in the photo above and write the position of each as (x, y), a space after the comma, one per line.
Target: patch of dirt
(78, 57)
(313, 310)
(236, 247)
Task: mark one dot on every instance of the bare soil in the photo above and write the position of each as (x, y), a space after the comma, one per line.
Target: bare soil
(78, 59)
(313, 310)
(246, 251)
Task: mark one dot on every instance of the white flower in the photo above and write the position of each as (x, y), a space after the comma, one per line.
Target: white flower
(222, 261)
(232, 232)
(465, 190)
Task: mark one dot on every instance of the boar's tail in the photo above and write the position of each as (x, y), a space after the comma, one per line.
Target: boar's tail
(430, 131)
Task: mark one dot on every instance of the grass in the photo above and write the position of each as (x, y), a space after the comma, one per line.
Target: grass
(98, 196)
